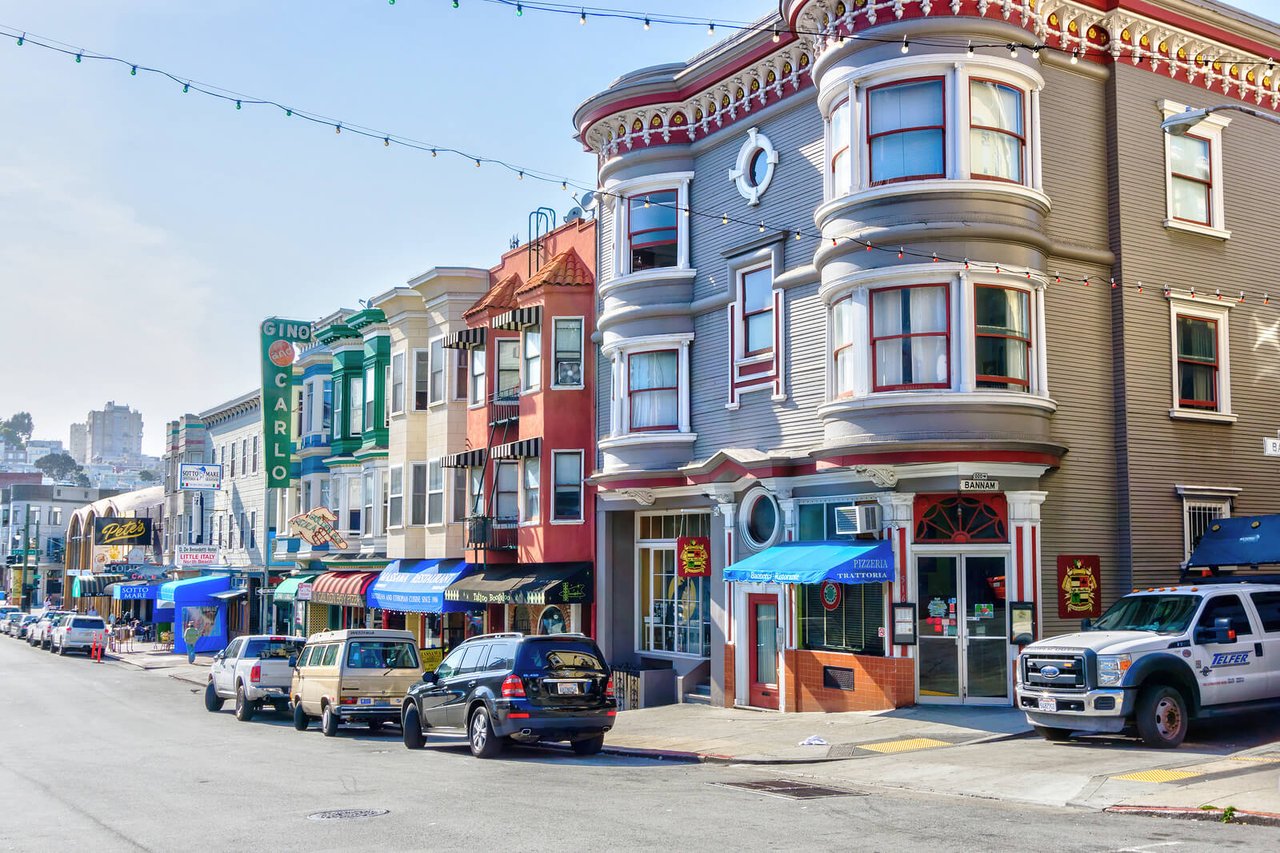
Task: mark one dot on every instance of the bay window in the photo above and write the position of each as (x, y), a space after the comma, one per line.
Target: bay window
(996, 134)
(421, 379)
(842, 354)
(460, 372)
(418, 502)
(397, 383)
(653, 390)
(567, 500)
(367, 516)
(435, 492)
(369, 397)
(435, 390)
(567, 344)
(1002, 338)
(840, 144)
(1197, 346)
(653, 230)
(906, 130)
(532, 358)
(756, 295)
(910, 337)
(477, 376)
(395, 496)
(354, 517)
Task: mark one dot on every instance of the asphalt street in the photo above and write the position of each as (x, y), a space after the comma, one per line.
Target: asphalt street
(103, 757)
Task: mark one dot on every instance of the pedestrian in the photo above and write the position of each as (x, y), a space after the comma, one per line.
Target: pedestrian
(189, 637)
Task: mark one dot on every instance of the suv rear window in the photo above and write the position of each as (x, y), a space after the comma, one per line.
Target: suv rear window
(87, 623)
(381, 654)
(557, 655)
(267, 649)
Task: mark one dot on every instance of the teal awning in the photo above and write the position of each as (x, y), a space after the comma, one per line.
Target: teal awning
(287, 590)
(814, 562)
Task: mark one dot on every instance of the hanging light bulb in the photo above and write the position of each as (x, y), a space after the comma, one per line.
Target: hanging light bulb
(79, 56)
(237, 105)
(646, 24)
(455, 4)
(22, 39)
(1242, 296)
(564, 185)
(477, 163)
(386, 142)
(724, 219)
(519, 10)
(337, 128)
(433, 152)
(906, 46)
(869, 246)
(966, 263)
(186, 87)
(1266, 299)
(971, 48)
(761, 226)
(711, 28)
(520, 176)
(582, 16)
(797, 235)
(133, 72)
(935, 257)
(1075, 56)
(777, 36)
(1139, 287)
(646, 201)
(833, 242)
(900, 253)
(1013, 50)
(287, 113)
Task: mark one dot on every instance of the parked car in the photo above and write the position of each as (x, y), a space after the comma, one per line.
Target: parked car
(39, 634)
(77, 633)
(509, 687)
(353, 675)
(1155, 661)
(10, 622)
(25, 625)
(254, 670)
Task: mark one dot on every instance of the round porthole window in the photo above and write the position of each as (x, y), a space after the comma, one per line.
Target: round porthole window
(755, 166)
(760, 520)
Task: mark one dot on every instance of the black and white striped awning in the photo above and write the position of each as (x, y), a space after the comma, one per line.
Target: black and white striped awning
(466, 459)
(519, 449)
(465, 339)
(518, 318)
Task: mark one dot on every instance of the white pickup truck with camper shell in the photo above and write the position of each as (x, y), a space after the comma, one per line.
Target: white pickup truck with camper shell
(254, 670)
(1162, 657)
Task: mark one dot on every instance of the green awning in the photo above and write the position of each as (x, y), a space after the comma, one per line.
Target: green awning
(288, 588)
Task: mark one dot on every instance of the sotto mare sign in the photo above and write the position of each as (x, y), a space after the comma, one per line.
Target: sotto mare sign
(278, 353)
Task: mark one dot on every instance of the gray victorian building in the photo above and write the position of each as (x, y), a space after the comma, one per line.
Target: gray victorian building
(912, 318)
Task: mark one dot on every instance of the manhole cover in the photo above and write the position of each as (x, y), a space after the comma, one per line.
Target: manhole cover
(347, 814)
(791, 790)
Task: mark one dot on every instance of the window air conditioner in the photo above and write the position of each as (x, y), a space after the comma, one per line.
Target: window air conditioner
(861, 518)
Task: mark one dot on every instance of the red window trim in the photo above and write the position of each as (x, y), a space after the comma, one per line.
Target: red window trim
(745, 315)
(661, 197)
(836, 350)
(873, 136)
(631, 393)
(1008, 380)
(1021, 137)
(1208, 185)
(875, 384)
(1183, 403)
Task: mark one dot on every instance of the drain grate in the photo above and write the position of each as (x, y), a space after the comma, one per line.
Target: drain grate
(347, 814)
(790, 789)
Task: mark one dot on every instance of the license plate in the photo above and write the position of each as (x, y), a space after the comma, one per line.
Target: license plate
(364, 700)
(567, 689)
(1049, 705)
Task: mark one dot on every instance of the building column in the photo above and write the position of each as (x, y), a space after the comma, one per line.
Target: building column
(1023, 583)
(897, 513)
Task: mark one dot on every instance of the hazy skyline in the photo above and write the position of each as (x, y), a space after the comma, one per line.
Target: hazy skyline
(144, 233)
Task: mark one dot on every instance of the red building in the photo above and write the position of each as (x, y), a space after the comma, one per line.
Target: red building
(531, 437)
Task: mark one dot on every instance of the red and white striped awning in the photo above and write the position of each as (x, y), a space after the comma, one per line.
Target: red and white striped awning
(343, 589)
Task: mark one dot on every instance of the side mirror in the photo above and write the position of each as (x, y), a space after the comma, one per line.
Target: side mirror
(429, 677)
(293, 661)
(1086, 624)
(219, 656)
(1220, 633)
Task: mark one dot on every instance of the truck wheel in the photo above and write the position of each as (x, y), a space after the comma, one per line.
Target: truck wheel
(1051, 734)
(244, 708)
(300, 719)
(1162, 717)
(484, 743)
(411, 728)
(328, 722)
(212, 701)
(589, 746)
(62, 650)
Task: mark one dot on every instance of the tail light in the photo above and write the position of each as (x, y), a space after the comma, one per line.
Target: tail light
(348, 700)
(255, 674)
(608, 688)
(512, 687)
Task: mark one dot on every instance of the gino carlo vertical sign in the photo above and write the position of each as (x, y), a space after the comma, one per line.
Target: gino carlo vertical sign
(278, 355)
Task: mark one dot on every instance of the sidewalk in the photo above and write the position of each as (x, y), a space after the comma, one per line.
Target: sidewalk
(704, 733)
(170, 663)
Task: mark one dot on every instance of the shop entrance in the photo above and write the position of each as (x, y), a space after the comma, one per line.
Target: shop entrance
(763, 623)
(963, 653)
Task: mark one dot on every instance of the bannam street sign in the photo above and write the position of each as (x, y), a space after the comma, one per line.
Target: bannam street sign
(195, 476)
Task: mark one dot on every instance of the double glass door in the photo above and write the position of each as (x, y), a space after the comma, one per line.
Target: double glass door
(963, 651)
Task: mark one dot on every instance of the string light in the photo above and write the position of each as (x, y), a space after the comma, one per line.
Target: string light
(646, 201)
(477, 163)
(1075, 56)
(901, 252)
(1139, 287)
(455, 4)
(582, 16)
(237, 105)
(186, 87)
(79, 56)
(966, 263)
(906, 46)
(519, 10)
(935, 257)
(1241, 296)
(21, 39)
(797, 235)
(724, 219)
(1113, 283)
(337, 128)
(777, 37)
(646, 24)
(1013, 50)
(1193, 293)
(711, 28)
(133, 72)
(970, 47)
(1266, 299)
(386, 141)
(761, 226)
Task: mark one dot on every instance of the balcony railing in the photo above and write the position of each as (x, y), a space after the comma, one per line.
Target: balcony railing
(504, 406)
(490, 533)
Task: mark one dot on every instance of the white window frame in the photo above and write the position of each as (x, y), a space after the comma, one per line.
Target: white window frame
(370, 396)
(460, 363)
(624, 190)
(458, 496)
(308, 403)
(421, 374)
(1204, 498)
(526, 493)
(1209, 129)
(395, 497)
(437, 356)
(417, 494)
(368, 499)
(1205, 309)
(530, 365)
(477, 386)
(355, 391)
(398, 358)
(555, 350)
(620, 405)
(435, 495)
(555, 487)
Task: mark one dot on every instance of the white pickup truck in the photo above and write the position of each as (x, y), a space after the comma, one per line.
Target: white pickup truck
(1157, 660)
(254, 671)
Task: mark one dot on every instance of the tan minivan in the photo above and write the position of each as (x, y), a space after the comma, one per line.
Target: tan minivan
(358, 674)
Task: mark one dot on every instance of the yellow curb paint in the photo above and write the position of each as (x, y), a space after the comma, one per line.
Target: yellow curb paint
(1261, 759)
(907, 745)
(1159, 775)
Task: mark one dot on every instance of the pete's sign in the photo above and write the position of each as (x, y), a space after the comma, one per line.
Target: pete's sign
(278, 354)
(121, 531)
(1079, 587)
(693, 556)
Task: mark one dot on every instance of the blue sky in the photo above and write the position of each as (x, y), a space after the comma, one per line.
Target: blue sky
(144, 233)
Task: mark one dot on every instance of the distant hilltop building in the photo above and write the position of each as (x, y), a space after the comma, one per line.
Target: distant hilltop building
(108, 435)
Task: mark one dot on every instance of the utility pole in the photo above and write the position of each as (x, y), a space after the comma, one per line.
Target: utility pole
(26, 541)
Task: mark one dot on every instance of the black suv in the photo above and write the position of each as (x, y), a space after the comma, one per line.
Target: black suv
(501, 687)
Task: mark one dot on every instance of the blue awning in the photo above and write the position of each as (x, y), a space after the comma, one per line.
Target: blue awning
(191, 589)
(417, 586)
(815, 562)
(1247, 541)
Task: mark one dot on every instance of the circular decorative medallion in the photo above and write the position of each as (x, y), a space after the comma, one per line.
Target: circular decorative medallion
(831, 595)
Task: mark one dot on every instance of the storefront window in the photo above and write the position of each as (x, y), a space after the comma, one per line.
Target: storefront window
(675, 610)
(842, 617)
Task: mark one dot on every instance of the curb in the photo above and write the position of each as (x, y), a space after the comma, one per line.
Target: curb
(1183, 813)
